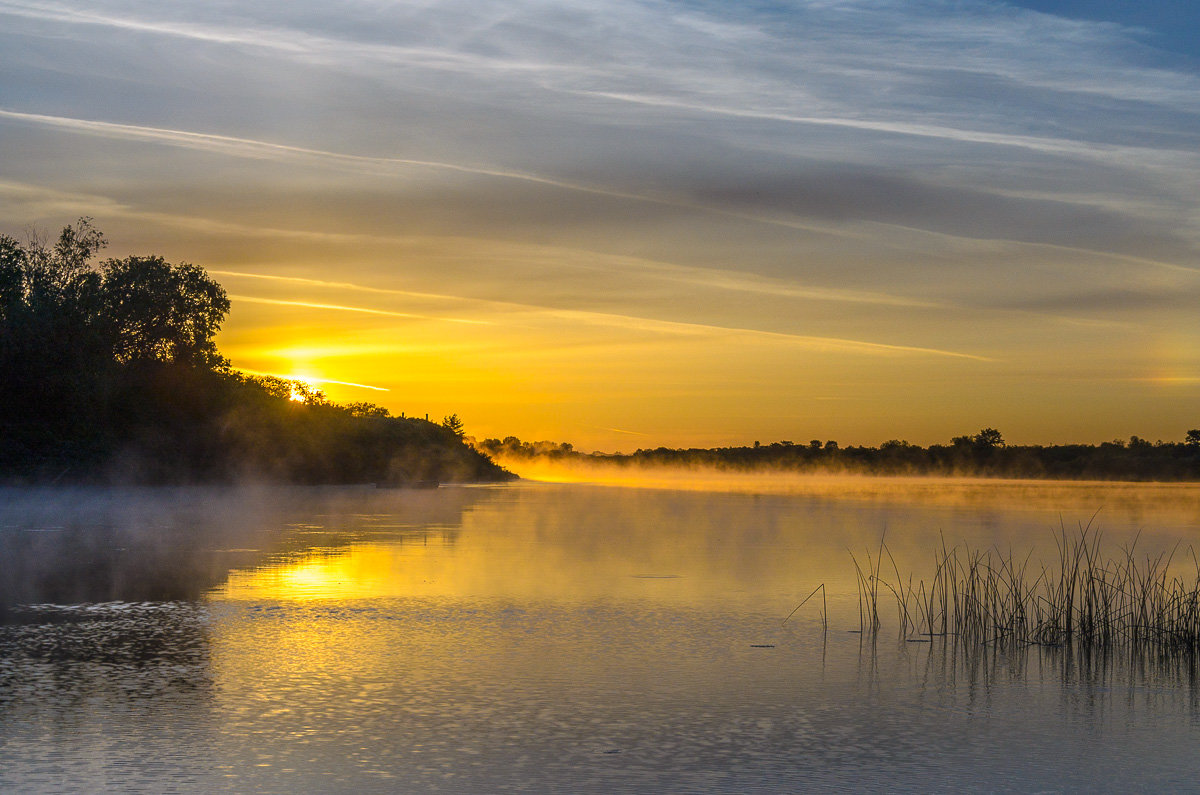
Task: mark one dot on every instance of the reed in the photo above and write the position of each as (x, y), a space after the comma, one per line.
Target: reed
(985, 596)
(824, 608)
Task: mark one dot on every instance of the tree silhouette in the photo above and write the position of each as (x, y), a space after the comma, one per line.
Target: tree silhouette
(110, 370)
(54, 357)
(155, 311)
(453, 424)
(988, 438)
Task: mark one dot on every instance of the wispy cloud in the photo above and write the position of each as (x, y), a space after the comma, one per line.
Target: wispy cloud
(623, 431)
(731, 281)
(360, 309)
(1057, 146)
(634, 323)
(255, 149)
(314, 380)
(246, 147)
(286, 41)
(614, 320)
(806, 341)
(653, 177)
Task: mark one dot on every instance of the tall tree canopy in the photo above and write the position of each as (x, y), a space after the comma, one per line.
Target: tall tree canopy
(139, 308)
(69, 325)
(161, 312)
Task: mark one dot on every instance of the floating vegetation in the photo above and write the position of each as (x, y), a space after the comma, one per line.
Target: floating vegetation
(1087, 597)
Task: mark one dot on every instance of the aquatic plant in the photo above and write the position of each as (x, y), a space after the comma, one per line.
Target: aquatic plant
(824, 608)
(985, 596)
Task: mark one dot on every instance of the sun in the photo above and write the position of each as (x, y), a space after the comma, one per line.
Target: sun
(303, 387)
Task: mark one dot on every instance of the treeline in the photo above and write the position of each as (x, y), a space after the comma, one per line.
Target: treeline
(984, 454)
(108, 372)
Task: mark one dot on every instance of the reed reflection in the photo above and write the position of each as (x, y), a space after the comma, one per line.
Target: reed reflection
(1088, 681)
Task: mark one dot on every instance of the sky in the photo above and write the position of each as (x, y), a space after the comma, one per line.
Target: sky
(633, 223)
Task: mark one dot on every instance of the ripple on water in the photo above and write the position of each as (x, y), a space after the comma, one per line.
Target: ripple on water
(111, 696)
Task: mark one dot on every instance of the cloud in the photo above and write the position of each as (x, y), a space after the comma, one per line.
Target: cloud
(829, 177)
(314, 380)
(1057, 146)
(872, 87)
(513, 311)
(1114, 300)
(360, 309)
(679, 274)
(249, 148)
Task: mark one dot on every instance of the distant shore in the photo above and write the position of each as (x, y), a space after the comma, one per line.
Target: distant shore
(981, 455)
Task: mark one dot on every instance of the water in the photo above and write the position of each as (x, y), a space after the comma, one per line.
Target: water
(553, 638)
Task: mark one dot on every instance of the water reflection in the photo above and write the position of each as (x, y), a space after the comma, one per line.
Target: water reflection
(108, 679)
(1090, 681)
(541, 638)
(87, 545)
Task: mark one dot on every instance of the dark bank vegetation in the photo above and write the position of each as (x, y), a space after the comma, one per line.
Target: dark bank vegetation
(108, 372)
(1088, 597)
(984, 454)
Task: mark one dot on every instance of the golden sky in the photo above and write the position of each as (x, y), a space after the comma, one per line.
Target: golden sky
(630, 223)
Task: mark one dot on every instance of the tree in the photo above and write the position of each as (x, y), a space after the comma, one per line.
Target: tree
(987, 439)
(70, 329)
(45, 288)
(54, 356)
(156, 311)
(12, 276)
(110, 370)
(363, 409)
(55, 268)
(453, 424)
(69, 258)
(1193, 438)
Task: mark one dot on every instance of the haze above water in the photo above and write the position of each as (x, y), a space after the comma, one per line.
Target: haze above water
(554, 637)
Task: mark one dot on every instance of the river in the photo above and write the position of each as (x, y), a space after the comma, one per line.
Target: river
(558, 637)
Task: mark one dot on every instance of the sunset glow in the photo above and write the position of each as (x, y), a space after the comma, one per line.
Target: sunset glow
(631, 224)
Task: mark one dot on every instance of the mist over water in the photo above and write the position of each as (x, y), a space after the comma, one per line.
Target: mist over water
(551, 637)
(1167, 497)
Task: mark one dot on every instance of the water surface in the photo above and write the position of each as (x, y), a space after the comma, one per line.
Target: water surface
(553, 638)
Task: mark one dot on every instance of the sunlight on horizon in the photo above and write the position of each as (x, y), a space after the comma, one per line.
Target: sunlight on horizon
(578, 377)
(884, 220)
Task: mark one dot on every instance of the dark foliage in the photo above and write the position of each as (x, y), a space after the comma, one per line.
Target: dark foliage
(109, 372)
(984, 454)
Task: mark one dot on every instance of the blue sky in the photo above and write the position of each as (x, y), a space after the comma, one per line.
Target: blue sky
(693, 223)
(1172, 25)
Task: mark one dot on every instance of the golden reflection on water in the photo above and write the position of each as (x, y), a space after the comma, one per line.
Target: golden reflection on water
(570, 543)
(1155, 506)
(555, 571)
(548, 544)
(356, 571)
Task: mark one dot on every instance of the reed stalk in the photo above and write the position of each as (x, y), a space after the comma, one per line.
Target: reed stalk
(985, 596)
